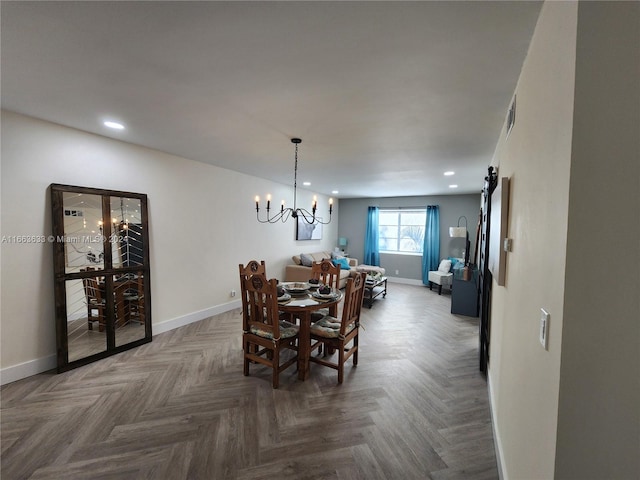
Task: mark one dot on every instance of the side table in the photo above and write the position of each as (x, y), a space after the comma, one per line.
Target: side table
(373, 289)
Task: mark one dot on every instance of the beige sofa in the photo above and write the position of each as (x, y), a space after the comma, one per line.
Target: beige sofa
(297, 272)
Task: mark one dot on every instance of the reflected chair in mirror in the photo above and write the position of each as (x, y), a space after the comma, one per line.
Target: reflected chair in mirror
(264, 335)
(134, 300)
(338, 334)
(327, 274)
(94, 296)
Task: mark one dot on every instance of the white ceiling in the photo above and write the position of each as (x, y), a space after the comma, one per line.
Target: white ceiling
(386, 96)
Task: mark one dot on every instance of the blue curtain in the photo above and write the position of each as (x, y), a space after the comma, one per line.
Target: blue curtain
(371, 244)
(431, 250)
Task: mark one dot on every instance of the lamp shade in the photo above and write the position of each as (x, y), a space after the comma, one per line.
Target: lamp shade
(458, 232)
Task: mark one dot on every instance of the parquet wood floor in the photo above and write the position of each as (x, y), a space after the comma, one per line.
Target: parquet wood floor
(416, 407)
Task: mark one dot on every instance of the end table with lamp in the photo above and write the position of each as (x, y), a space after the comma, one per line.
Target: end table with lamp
(342, 244)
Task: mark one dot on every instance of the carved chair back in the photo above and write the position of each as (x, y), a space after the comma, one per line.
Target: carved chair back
(326, 272)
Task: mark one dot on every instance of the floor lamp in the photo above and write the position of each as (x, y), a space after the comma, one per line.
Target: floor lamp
(463, 233)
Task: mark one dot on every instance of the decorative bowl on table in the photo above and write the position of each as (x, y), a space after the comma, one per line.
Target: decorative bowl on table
(324, 296)
(296, 288)
(325, 292)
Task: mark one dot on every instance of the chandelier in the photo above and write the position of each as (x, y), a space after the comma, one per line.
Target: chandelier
(295, 212)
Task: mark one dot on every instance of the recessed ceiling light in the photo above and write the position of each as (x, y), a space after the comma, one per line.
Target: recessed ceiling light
(306, 184)
(453, 186)
(335, 192)
(114, 125)
(449, 173)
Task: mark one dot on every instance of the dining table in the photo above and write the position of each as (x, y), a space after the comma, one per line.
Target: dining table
(301, 306)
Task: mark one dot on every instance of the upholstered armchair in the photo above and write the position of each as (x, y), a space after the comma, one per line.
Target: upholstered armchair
(441, 277)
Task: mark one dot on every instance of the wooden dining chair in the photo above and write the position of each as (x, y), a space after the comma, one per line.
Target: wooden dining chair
(96, 303)
(327, 274)
(264, 335)
(337, 334)
(252, 268)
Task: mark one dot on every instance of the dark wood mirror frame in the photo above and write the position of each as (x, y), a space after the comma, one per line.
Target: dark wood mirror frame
(124, 278)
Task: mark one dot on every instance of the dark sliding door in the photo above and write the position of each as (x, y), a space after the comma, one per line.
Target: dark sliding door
(485, 279)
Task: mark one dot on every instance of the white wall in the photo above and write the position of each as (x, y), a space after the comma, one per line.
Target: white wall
(599, 406)
(523, 377)
(201, 220)
(572, 411)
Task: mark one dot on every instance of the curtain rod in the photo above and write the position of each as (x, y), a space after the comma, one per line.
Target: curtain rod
(424, 207)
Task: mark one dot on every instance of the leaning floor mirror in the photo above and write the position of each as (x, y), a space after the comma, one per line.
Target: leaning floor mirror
(101, 273)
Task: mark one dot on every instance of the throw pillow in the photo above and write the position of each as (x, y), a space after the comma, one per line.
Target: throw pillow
(454, 262)
(445, 266)
(343, 262)
(306, 260)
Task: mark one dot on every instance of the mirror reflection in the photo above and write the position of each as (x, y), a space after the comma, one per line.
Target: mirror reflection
(86, 315)
(83, 231)
(101, 272)
(126, 239)
(130, 307)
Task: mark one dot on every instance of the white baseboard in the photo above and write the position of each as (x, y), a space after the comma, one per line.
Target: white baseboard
(40, 365)
(497, 440)
(173, 323)
(27, 369)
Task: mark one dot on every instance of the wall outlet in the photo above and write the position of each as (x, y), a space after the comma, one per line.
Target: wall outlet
(233, 293)
(544, 328)
(397, 272)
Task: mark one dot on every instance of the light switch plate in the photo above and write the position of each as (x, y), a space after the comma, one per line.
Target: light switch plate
(544, 328)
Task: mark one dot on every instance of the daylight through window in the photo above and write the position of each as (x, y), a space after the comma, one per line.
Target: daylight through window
(402, 231)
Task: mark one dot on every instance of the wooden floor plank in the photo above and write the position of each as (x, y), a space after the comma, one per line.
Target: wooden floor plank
(181, 408)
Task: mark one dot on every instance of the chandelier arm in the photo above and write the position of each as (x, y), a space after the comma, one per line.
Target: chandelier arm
(324, 223)
(262, 221)
(311, 218)
(308, 217)
(282, 216)
(285, 214)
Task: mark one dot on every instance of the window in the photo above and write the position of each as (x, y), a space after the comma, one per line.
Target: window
(402, 231)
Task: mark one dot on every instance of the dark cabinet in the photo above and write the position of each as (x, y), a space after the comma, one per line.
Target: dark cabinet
(464, 292)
